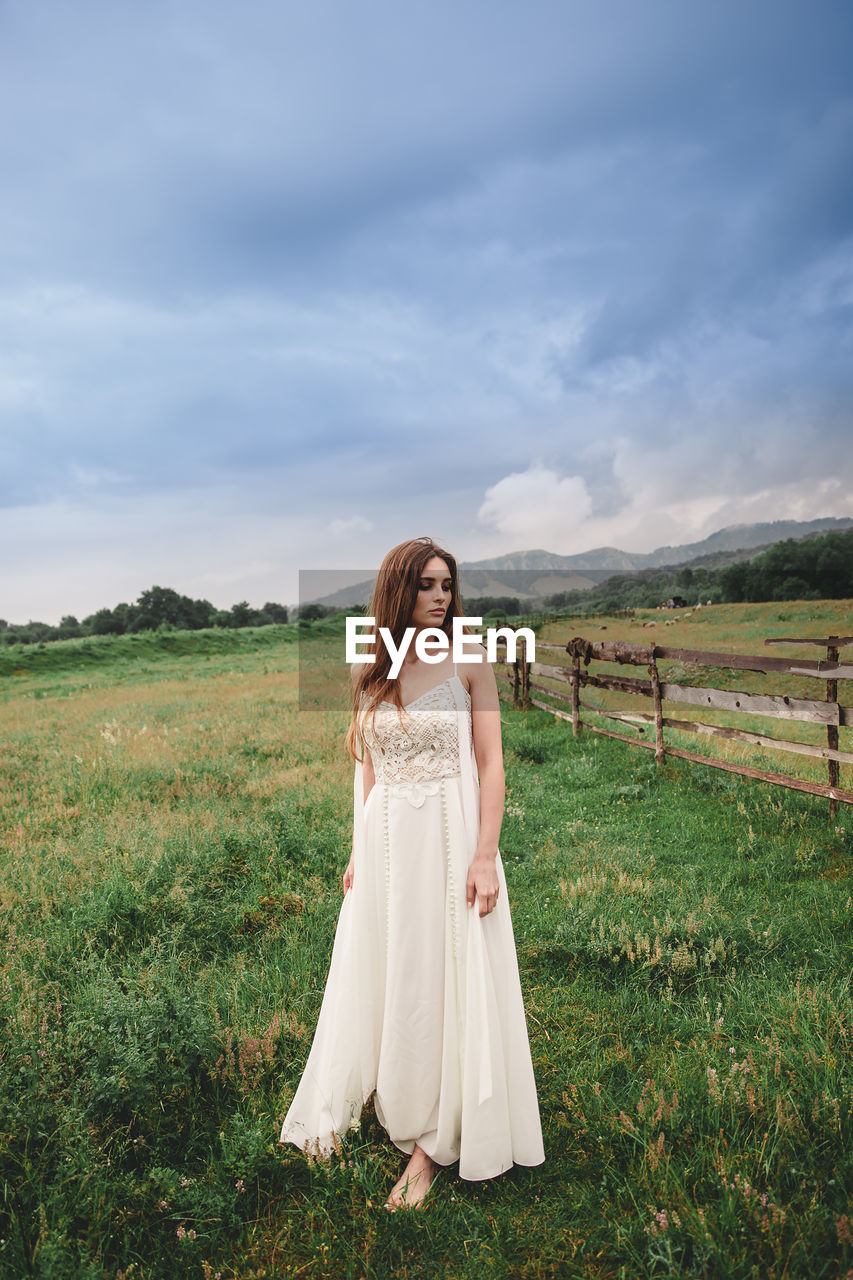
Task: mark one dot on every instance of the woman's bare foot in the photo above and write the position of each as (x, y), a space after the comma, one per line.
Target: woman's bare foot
(409, 1192)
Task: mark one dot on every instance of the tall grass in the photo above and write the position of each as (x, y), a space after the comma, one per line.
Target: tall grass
(173, 844)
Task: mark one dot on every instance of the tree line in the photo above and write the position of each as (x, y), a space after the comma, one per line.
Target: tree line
(162, 609)
(816, 568)
(158, 608)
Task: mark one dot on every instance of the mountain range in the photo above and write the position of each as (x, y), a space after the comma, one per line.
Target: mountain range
(531, 575)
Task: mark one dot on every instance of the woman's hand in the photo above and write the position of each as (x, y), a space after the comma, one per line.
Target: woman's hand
(483, 881)
(349, 876)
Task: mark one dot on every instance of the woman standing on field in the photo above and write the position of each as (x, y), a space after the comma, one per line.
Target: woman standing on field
(423, 1004)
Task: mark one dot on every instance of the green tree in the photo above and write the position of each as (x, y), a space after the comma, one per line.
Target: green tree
(275, 612)
(156, 605)
(813, 568)
(103, 623)
(199, 614)
(242, 614)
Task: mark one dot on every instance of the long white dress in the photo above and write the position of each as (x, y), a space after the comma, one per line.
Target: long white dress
(423, 1003)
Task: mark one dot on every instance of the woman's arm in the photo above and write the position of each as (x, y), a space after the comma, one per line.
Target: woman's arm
(488, 751)
(368, 774)
(368, 779)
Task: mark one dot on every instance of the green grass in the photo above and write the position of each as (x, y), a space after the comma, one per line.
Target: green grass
(174, 834)
(141, 652)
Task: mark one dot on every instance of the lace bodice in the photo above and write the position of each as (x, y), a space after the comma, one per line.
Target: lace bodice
(415, 748)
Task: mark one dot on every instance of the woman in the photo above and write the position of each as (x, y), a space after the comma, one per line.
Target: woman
(423, 1003)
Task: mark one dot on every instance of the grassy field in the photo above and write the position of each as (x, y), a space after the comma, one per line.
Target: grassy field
(174, 832)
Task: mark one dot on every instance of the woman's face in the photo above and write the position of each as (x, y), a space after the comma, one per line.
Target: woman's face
(434, 594)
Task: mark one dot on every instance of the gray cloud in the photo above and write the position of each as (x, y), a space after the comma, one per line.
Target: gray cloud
(367, 263)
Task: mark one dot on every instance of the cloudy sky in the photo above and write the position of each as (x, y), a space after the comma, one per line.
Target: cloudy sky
(282, 284)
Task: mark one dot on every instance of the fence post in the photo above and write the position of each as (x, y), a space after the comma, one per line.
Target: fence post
(515, 682)
(659, 747)
(525, 684)
(831, 729)
(576, 695)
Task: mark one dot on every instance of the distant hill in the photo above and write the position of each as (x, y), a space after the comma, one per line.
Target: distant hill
(531, 575)
(735, 537)
(743, 537)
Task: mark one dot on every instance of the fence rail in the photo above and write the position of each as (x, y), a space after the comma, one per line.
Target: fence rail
(787, 708)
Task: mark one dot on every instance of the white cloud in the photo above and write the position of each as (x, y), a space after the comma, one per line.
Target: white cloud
(800, 500)
(94, 477)
(356, 524)
(675, 496)
(537, 508)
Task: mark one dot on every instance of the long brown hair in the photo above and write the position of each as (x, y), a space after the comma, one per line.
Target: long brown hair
(395, 594)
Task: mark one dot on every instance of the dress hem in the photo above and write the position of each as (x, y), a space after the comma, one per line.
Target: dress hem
(316, 1149)
(479, 1177)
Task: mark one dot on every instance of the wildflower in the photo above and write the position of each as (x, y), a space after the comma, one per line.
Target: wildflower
(713, 1085)
(163, 1204)
(240, 1185)
(659, 1224)
(181, 1232)
(657, 1151)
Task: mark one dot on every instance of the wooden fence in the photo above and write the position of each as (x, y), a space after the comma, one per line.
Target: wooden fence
(524, 678)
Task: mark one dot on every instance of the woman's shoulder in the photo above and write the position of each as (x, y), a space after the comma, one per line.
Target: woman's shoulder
(478, 674)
